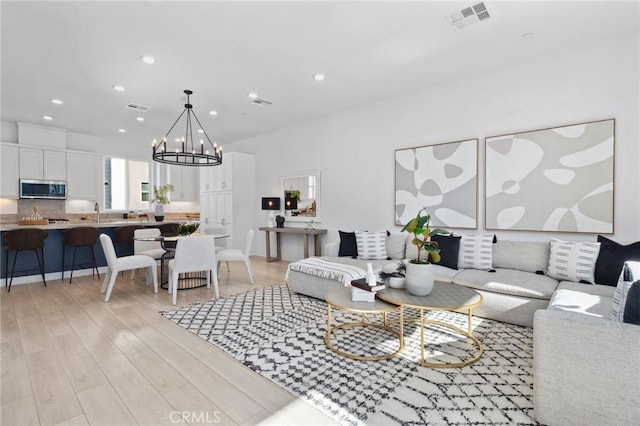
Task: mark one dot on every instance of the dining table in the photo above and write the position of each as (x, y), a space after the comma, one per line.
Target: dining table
(186, 281)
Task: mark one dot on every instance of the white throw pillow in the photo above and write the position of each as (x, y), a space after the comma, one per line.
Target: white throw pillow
(395, 246)
(572, 261)
(476, 252)
(630, 273)
(371, 245)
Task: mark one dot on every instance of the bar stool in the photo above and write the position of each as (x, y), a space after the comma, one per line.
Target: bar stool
(20, 240)
(169, 229)
(82, 236)
(123, 235)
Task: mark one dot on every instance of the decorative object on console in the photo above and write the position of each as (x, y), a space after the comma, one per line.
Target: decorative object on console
(442, 178)
(419, 277)
(571, 165)
(573, 261)
(291, 204)
(271, 204)
(187, 154)
(161, 197)
(188, 228)
(611, 259)
(279, 221)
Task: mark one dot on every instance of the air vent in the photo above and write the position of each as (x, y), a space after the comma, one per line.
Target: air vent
(468, 16)
(137, 107)
(261, 102)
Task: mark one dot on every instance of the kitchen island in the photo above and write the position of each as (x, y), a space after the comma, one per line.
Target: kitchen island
(27, 270)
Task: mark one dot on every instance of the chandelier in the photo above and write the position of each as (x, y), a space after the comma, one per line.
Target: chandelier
(188, 154)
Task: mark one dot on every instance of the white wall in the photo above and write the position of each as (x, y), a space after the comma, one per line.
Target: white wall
(355, 149)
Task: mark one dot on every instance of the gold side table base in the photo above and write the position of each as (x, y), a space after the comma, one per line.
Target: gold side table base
(468, 335)
(331, 329)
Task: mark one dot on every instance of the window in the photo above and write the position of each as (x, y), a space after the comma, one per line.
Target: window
(126, 184)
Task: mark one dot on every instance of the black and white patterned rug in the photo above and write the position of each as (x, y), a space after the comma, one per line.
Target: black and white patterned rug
(281, 336)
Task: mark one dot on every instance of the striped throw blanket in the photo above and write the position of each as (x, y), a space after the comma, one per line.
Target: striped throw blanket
(325, 269)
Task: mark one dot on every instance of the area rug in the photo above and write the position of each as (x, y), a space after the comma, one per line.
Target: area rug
(280, 335)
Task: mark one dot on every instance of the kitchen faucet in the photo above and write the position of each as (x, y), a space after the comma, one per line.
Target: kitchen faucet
(96, 208)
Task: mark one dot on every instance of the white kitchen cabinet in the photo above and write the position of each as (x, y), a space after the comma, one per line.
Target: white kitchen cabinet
(185, 183)
(9, 175)
(38, 163)
(233, 201)
(84, 176)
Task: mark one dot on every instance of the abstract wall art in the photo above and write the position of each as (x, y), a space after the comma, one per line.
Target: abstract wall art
(442, 178)
(559, 179)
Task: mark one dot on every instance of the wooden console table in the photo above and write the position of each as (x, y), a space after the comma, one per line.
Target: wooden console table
(300, 231)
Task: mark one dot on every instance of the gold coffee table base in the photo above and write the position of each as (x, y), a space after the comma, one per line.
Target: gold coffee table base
(458, 330)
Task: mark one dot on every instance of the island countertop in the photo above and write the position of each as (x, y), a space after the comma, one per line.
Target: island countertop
(107, 223)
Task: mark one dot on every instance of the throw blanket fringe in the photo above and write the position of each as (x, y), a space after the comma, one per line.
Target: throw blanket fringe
(325, 269)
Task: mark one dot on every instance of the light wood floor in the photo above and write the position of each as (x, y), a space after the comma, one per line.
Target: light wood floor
(69, 358)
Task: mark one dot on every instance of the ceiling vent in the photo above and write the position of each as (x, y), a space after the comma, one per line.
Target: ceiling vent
(468, 16)
(137, 107)
(261, 102)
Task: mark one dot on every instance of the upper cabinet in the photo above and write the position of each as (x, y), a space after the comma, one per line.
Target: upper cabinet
(9, 158)
(83, 176)
(37, 163)
(185, 183)
(220, 178)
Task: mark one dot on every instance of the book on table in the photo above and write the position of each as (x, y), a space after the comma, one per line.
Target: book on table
(361, 283)
(358, 295)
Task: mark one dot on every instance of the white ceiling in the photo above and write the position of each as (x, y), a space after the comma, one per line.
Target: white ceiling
(369, 51)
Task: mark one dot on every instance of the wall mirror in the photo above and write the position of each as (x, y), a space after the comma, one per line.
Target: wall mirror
(301, 196)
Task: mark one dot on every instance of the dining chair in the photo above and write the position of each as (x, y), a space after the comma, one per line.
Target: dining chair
(236, 255)
(116, 264)
(152, 249)
(216, 229)
(193, 254)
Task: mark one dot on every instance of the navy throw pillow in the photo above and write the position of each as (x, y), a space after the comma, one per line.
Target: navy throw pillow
(348, 245)
(449, 247)
(632, 307)
(611, 259)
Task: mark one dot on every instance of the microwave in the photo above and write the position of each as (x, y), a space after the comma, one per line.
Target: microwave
(52, 189)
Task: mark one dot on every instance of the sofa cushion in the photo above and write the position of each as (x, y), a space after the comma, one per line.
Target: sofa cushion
(632, 306)
(529, 256)
(442, 273)
(476, 252)
(627, 276)
(371, 245)
(348, 246)
(449, 249)
(395, 246)
(572, 261)
(508, 281)
(611, 259)
(594, 300)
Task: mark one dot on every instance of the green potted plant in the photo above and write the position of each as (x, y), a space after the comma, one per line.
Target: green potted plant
(161, 197)
(419, 277)
(187, 228)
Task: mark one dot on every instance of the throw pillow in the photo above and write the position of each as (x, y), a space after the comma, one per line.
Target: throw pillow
(449, 248)
(611, 259)
(629, 274)
(476, 252)
(572, 261)
(371, 245)
(348, 246)
(395, 246)
(632, 306)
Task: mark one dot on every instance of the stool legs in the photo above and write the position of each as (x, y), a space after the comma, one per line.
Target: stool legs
(41, 264)
(9, 280)
(94, 267)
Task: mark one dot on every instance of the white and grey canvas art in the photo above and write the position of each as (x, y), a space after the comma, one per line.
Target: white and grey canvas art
(559, 179)
(442, 178)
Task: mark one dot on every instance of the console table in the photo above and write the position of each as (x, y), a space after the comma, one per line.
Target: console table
(300, 231)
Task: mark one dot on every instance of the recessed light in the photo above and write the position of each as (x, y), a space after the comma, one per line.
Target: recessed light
(253, 95)
(140, 118)
(118, 88)
(148, 59)
(122, 130)
(318, 77)
(57, 101)
(47, 117)
(212, 112)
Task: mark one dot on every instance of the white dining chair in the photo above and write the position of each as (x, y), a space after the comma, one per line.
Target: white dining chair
(116, 264)
(236, 255)
(216, 229)
(152, 249)
(193, 254)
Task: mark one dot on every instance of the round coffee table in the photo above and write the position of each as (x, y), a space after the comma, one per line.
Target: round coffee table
(443, 297)
(341, 299)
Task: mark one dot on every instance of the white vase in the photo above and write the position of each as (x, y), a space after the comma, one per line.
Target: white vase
(419, 279)
(159, 212)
